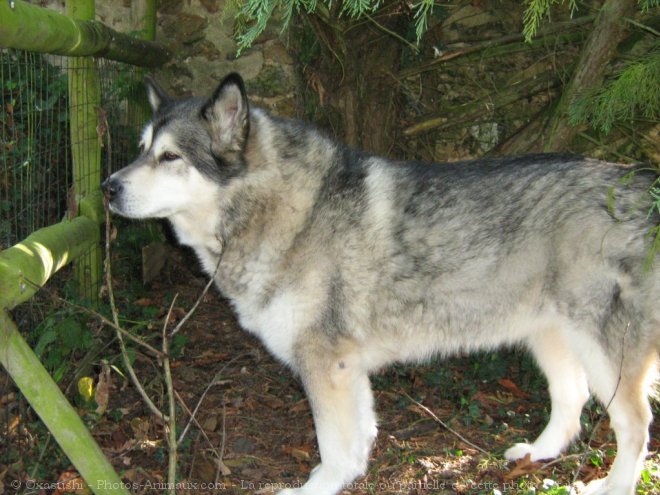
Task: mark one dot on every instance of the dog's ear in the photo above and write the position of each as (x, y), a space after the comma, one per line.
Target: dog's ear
(155, 94)
(227, 113)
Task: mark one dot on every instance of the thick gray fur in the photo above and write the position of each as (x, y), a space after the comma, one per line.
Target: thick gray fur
(342, 263)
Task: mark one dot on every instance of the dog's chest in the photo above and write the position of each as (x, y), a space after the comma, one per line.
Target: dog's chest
(273, 306)
(278, 322)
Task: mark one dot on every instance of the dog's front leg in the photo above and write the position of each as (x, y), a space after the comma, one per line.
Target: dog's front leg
(340, 395)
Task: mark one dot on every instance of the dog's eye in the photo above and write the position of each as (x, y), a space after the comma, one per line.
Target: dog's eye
(169, 156)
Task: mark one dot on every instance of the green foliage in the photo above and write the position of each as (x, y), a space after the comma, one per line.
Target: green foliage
(633, 92)
(424, 11)
(33, 136)
(646, 5)
(654, 233)
(58, 339)
(536, 11)
(252, 16)
(650, 480)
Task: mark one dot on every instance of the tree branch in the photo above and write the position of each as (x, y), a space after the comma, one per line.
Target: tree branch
(599, 50)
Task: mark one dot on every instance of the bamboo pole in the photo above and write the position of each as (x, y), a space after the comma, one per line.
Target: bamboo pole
(143, 18)
(29, 264)
(62, 420)
(33, 28)
(84, 103)
(143, 24)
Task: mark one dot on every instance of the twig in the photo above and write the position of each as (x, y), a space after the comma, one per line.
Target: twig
(222, 467)
(94, 314)
(199, 299)
(115, 317)
(558, 29)
(193, 419)
(445, 425)
(560, 459)
(642, 26)
(389, 32)
(171, 424)
(33, 474)
(609, 147)
(213, 382)
(219, 455)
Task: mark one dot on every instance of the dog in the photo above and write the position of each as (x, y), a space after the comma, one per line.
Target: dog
(342, 263)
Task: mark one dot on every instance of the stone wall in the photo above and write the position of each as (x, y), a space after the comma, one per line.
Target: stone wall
(199, 34)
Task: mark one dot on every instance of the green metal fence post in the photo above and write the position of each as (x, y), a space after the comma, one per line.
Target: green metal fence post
(86, 141)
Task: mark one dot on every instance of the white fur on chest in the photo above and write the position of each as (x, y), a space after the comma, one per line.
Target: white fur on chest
(200, 237)
(278, 323)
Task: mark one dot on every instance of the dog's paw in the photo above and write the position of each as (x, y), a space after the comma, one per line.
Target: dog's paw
(536, 452)
(518, 451)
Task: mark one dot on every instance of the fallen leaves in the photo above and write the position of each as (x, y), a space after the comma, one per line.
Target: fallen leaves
(70, 482)
(523, 467)
(102, 392)
(513, 388)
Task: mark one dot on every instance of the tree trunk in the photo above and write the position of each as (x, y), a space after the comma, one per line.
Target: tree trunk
(359, 88)
(597, 53)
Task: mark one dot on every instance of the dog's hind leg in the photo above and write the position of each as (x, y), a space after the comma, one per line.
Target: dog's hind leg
(623, 388)
(568, 388)
(339, 393)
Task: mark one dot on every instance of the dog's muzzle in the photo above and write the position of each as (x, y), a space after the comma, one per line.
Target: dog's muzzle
(111, 187)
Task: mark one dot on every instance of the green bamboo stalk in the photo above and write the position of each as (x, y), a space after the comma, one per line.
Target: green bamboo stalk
(84, 105)
(143, 18)
(29, 264)
(55, 411)
(33, 28)
(143, 24)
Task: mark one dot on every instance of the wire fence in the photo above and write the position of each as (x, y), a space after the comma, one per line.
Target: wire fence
(38, 188)
(34, 137)
(36, 184)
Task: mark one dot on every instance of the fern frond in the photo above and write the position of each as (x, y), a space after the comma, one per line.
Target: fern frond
(423, 10)
(536, 10)
(635, 91)
(646, 5)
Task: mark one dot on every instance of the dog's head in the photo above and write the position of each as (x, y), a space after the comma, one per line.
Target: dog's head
(190, 149)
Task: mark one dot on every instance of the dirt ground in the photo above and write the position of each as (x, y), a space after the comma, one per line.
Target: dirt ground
(258, 432)
(253, 431)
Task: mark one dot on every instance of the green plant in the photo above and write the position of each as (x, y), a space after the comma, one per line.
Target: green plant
(252, 16)
(536, 11)
(650, 480)
(33, 136)
(654, 233)
(633, 93)
(59, 337)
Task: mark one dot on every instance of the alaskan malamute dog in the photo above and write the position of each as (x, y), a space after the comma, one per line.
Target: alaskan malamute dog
(342, 263)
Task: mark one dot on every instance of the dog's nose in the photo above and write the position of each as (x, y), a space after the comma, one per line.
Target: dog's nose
(111, 187)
